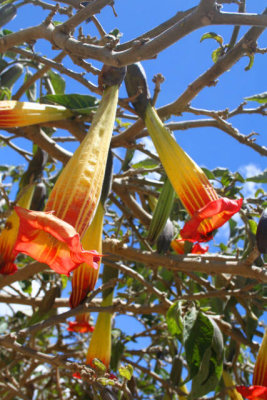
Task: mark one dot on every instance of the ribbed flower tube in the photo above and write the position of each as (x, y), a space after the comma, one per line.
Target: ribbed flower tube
(100, 344)
(84, 277)
(53, 236)
(22, 113)
(9, 234)
(201, 201)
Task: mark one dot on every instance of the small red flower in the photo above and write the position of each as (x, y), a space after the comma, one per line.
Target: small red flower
(81, 327)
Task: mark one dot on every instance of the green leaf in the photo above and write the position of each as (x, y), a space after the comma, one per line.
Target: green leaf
(82, 104)
(219, 172)
(126, 371)
(204, 352)
(208, 173)
(253, 226)
(57, 82)
(174, 321)
(106, 381)
(260, 98)
(212, 35)
(261, 178)
(147, 163)
(98, 365)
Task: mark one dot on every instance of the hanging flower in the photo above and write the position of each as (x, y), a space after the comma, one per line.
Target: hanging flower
(9, 234)
(51, 241)
(100, 344)
(84, 277)
(258, 390)
(17, 113)
(208, 212)
(186, 246)
(53, 236)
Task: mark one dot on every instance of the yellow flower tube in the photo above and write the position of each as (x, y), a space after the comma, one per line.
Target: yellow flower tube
(23, 113)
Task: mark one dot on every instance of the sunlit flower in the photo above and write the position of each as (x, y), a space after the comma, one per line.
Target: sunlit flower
(17, 114)
(84, 277)
(53, 236)
(258, 390)
(51, 241)
(208, 212)
(100, 343)
(187, 246)
(9, 234)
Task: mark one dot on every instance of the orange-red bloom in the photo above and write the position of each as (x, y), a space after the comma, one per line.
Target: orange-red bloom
(258, 390)
(187, 246)
(38, 234)
(9, 234)
(208, 212)
(54, 239)
(17, 114)
(82, 324)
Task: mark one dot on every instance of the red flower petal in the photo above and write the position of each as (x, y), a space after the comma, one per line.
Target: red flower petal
(254, 392)
(8, 268)
(77, 375)
(180, 246)
(198, 249)
(52, 241)
(200, 227)
(81, 327)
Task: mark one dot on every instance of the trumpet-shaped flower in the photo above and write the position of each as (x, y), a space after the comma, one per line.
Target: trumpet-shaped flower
(100, 344)
(258, 390)
(84, 277)
(53, 237)
(17, 114)
(208, 212)
(9, 234)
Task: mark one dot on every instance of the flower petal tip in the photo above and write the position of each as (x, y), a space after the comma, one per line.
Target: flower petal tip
(80, 327)
(210, 217)
(52, 241)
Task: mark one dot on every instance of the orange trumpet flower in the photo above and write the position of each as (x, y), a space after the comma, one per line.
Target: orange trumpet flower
(9, 234)
(22, 113)
(53, 236)
(208, 212)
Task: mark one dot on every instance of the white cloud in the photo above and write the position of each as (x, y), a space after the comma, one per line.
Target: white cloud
(250, 187)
